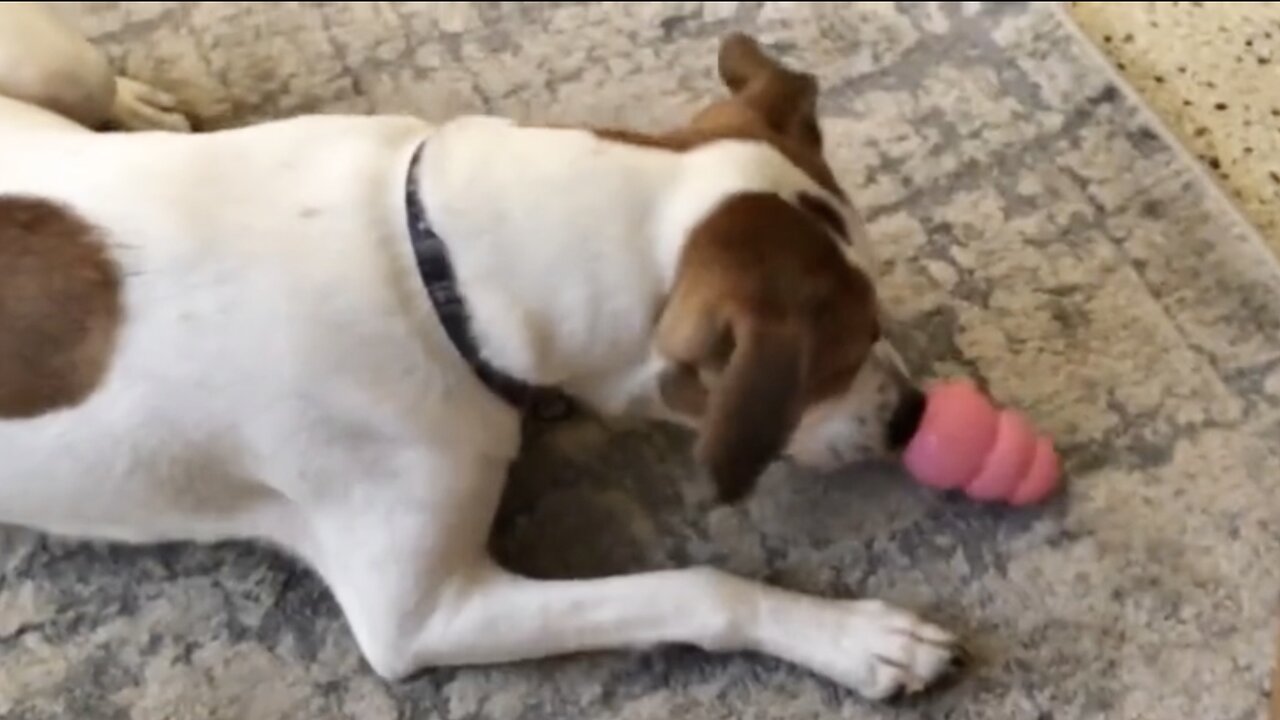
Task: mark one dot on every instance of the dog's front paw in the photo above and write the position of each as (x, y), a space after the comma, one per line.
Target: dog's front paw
(141, 107)
(881, 651)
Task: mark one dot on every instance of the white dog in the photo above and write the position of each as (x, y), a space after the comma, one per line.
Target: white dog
(320, 333)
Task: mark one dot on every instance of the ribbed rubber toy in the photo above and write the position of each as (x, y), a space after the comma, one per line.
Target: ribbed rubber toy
(991, 454)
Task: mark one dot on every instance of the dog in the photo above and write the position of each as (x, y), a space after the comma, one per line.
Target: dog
(321, 333)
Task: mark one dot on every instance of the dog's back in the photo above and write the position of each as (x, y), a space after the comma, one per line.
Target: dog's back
(242, 267)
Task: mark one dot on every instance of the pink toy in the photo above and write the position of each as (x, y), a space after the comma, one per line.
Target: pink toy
(965, 443)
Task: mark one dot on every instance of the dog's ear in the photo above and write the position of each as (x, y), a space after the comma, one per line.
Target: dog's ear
(754, 407)
(785, 99)
(737, 329)
(744, 376)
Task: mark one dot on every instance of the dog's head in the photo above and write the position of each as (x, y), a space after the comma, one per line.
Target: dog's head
(771, 333)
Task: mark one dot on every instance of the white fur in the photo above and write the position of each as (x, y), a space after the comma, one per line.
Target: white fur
(282, 377)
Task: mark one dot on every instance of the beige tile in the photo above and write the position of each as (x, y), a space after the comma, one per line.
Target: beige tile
(1212, 72)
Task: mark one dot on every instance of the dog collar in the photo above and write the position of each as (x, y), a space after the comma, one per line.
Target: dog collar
(431, 255)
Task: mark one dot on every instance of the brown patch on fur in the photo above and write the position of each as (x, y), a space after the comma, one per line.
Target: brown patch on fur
(769, 333)
(767, 318)
(60, 307)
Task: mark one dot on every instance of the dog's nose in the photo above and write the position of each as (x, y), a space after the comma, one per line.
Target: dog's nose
(906, 419)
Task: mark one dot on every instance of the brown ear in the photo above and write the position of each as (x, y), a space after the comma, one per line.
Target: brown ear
(753, 408)
(785, 99)
(757, 284)
(728, 329)
(749, 377)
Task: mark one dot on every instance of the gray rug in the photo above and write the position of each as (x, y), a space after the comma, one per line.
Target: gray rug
(1036, 231)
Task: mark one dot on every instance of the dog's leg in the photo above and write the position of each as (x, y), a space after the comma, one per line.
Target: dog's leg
(866, 645)
(414, 600)
(46, 62)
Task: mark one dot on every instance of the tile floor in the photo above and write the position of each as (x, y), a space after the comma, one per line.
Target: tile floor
(1212, 72)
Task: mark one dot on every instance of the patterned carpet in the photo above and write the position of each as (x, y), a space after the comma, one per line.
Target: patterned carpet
(1036, 231)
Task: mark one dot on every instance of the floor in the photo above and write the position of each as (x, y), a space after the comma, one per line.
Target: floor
(1212, 71)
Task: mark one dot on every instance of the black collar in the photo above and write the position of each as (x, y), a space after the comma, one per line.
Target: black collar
(432, 256)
